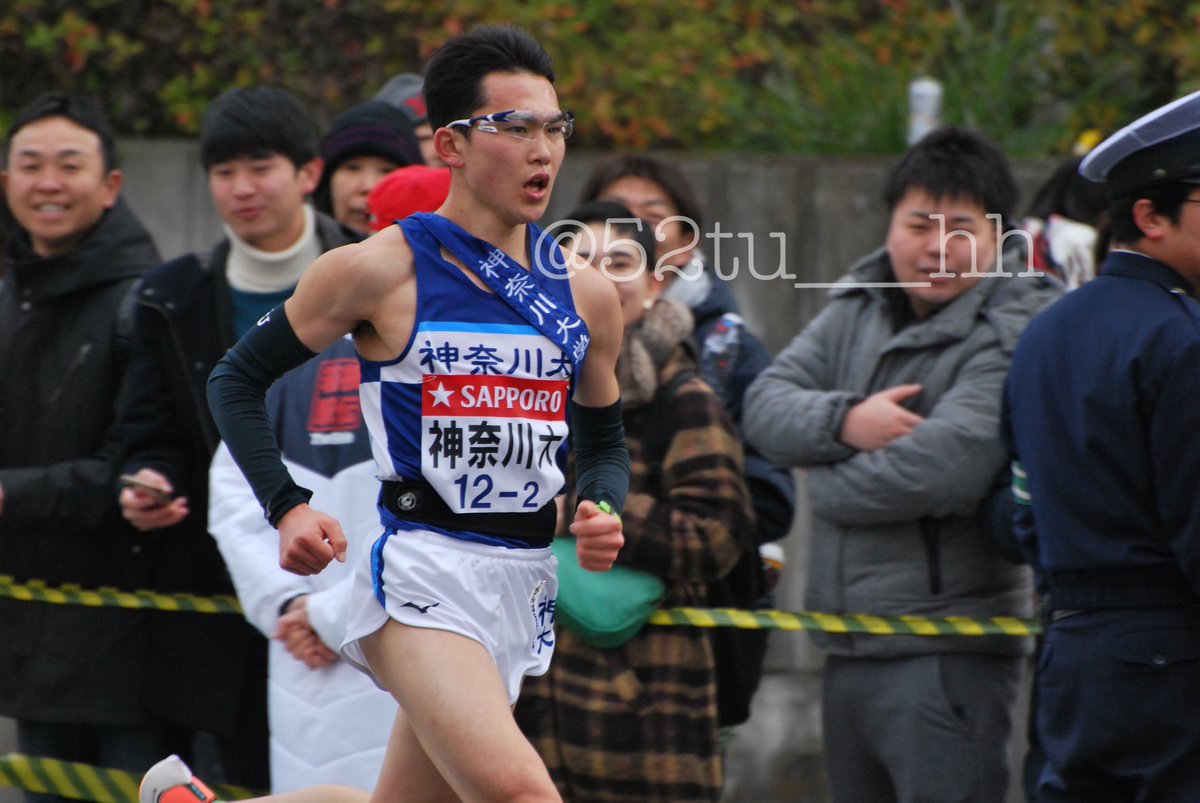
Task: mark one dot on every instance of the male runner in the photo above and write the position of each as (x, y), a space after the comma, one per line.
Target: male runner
(472, 339)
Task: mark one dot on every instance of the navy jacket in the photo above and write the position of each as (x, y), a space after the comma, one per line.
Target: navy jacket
(1102, 411)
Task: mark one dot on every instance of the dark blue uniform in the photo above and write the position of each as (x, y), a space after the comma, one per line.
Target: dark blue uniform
(1102, 412)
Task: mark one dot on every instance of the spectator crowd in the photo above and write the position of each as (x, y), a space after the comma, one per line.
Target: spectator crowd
(991, 416)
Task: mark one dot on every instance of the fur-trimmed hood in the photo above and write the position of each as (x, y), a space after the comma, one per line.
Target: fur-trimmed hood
(648, 348)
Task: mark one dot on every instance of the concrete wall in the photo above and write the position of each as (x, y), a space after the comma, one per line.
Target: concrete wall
(822, 213)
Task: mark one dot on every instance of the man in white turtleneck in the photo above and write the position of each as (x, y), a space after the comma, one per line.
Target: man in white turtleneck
(260, 278)
(207, 674)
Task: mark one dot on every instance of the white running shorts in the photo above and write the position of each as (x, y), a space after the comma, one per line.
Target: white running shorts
(502, 598)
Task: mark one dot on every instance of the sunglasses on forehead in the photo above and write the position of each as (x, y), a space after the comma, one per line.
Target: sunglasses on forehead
(521, 124)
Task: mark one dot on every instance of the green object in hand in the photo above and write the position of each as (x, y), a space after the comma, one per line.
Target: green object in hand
(605, 507)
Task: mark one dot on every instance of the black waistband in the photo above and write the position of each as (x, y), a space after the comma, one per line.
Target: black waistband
(416, 501)
(1133, 587)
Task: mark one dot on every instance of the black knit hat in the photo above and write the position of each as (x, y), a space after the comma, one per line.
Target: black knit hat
(373, 128)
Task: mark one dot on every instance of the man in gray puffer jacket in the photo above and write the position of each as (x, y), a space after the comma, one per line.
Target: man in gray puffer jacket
(890, 399)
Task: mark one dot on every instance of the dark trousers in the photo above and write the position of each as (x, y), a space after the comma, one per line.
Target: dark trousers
(1118, 707)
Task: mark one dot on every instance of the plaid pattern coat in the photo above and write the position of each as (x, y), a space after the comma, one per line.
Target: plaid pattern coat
(639, 722)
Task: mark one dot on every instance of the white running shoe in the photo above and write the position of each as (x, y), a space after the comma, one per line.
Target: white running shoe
(170, 781)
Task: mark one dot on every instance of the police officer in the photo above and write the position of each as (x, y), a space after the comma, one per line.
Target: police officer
(1101, 415)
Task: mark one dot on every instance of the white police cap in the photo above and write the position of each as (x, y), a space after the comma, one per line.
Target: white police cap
(1162, 147)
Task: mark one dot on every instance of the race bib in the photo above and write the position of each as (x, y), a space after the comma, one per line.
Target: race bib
(492, 429)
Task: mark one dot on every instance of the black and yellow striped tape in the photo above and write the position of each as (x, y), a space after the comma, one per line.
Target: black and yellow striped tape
(847, 623)
(35, 591)
(84, 782)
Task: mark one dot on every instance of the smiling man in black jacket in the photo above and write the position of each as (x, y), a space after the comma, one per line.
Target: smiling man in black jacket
(69, 675)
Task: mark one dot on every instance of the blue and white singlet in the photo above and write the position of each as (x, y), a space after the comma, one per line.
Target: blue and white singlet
(476, 404)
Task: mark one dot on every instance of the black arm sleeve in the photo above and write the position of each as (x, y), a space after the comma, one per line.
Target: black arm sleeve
(601, 460)
(237, 391)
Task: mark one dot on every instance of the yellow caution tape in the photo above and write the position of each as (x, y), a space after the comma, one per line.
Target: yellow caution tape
(36, 591)
(847, 623)
(77, 781)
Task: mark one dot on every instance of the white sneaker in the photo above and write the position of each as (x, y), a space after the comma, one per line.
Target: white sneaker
(170, 781)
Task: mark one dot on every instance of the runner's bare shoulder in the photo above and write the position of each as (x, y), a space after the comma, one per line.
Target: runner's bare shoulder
(595, 296)
(357, 288)
(382, 260)
(382, 269)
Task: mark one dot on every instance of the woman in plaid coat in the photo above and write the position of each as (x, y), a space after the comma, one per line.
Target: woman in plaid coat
(639, 722)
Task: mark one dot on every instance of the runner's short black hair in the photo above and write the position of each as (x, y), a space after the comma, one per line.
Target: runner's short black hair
(256, 122)
(454, 77)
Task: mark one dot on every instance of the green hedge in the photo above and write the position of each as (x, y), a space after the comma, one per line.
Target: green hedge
(806, 75)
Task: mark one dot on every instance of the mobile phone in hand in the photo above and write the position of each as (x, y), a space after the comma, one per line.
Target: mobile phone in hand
(161, 496)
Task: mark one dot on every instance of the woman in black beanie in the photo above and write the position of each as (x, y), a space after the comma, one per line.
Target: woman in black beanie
(362, 146)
